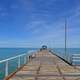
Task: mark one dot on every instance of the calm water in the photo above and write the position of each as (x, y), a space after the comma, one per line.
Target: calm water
(10, 52)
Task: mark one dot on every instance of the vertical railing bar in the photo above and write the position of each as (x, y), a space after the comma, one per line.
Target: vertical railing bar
(19, 62)
(71, 59)
(6, 68)
(25, 59)
(28, 58)
(6, 61)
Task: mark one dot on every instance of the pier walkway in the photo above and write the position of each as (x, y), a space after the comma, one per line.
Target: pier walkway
(46, 66)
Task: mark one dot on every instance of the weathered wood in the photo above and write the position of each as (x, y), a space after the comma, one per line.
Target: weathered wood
(46, 66)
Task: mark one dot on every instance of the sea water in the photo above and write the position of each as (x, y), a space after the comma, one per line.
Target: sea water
(11, 52)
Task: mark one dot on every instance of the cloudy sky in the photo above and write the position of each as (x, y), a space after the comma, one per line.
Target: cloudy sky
(32, 23)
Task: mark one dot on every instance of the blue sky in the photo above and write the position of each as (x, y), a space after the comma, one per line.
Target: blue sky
(32, 23)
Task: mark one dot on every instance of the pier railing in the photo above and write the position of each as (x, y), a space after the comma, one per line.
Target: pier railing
(76, 59)
(6, 63)
(13, 63)
(73, 59)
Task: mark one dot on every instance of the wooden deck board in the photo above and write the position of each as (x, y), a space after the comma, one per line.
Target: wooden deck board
(47, 67)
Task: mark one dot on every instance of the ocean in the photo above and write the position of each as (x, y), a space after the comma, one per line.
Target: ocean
(11, 52)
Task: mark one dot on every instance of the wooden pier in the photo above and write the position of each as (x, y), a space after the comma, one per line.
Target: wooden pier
(46, 66)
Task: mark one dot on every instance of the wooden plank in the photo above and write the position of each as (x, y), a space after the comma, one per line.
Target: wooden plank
(47, 67)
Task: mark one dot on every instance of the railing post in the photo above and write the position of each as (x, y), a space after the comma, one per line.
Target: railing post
(19, 62)
(6, 69)
(71, 58)
(25, 59)
(28, 59)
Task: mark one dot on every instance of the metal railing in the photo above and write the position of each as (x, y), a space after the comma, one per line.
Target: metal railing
(76, 59)
(61, 54)
(6, 61)
(73, 59)
(9, 66)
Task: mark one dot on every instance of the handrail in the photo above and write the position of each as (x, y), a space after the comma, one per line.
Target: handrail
(25, 56)
(75, 54)
(11, 58)
(6, 61)
(75, 58)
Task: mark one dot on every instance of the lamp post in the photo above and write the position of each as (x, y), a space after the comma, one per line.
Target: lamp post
(65, 37)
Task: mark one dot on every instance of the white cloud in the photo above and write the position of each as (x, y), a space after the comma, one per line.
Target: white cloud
(34, 25)
(54, 32)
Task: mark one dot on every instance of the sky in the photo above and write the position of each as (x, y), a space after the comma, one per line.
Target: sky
(33, 23)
